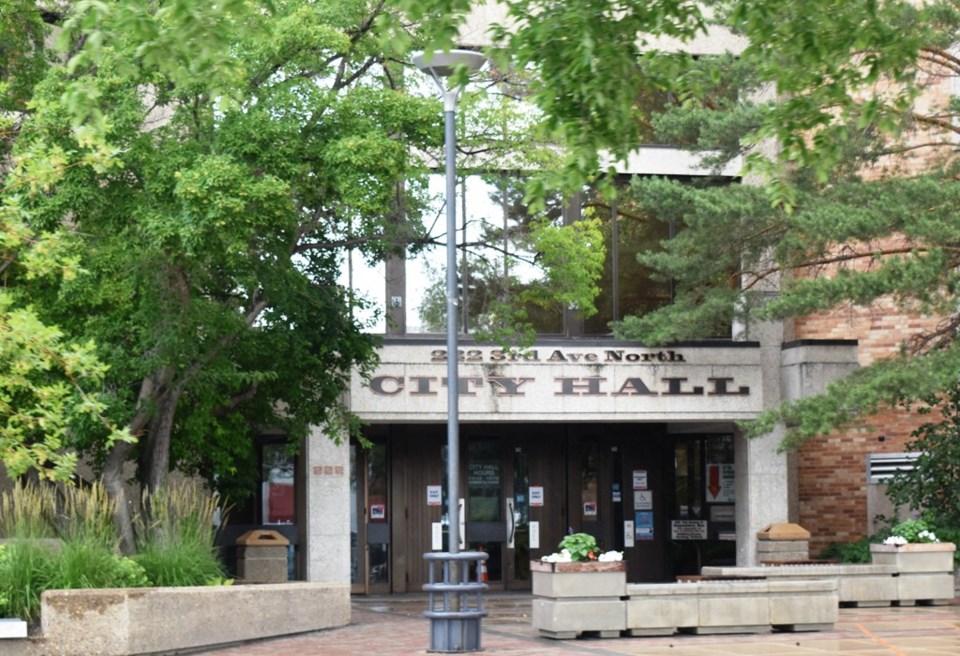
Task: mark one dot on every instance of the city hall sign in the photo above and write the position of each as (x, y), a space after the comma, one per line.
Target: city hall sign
(584, 383)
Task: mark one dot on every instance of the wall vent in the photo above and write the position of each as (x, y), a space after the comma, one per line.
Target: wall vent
(882, 466)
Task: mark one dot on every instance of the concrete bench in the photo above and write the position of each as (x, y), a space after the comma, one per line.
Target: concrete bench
(902, 577)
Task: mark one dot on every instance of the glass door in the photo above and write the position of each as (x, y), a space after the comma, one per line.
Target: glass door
(369, 520)
(486, 528)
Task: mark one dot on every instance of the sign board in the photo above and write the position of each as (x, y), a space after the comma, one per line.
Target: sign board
(639, 479)
(628, 533)
(688, 529)
(536, 496)
(434, 495)
(720, 483)
(534, 535)
(643, 522)
(436, 536)
(642, 500)
(723, 514)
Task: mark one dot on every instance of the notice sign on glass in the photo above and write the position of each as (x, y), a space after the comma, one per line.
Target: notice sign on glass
(639, 479)
(688, 529)
(433, 495)
(536, 496)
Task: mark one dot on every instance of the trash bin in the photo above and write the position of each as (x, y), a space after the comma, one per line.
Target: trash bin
(262, 557)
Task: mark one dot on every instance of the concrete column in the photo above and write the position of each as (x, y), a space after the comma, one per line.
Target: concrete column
(764, 476)
(766, 479)
(327, 482)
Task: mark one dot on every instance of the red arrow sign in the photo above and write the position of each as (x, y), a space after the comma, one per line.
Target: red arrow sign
(713, 486)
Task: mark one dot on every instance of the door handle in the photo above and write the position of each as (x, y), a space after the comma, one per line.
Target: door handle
(511, 524)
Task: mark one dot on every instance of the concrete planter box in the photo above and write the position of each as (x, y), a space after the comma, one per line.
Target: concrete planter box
(863, 585)
(707, 607)
(910, 558)
(925, 571)
(580, 579)
(900, 574)
(120, 622)
(575, 598)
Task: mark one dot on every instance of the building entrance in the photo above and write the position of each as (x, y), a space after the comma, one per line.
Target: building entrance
(662, 499)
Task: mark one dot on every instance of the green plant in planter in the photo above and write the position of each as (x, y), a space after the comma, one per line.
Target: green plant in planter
(911, 531)
(581, 546)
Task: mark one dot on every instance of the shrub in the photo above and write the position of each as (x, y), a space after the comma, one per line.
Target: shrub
(849, 552)
(176, 536)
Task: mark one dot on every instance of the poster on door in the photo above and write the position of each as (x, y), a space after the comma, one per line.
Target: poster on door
(643, 525)
(721, 482)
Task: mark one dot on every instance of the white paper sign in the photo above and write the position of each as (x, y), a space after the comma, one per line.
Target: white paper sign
(536, 496)
(628, 533)
(436, 536)
(534, 535)
(639, 479)
(434, 495)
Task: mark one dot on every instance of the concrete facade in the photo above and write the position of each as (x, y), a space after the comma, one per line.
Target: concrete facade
(326, 470)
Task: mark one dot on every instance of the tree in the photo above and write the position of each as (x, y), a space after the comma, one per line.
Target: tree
(206, 167)
(857, 202)
(48, 383)
(931, 485)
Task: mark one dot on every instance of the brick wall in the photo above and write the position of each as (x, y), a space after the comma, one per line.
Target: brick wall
(832, 469)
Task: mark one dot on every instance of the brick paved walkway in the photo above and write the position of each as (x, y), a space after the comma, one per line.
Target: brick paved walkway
(395, 627)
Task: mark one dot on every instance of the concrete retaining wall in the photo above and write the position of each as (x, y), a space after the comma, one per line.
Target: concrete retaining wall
(124, 622)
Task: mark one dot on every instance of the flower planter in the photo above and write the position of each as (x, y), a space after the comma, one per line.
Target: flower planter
(925, 571)
(933, 557)
(579, 579)
(580, 597)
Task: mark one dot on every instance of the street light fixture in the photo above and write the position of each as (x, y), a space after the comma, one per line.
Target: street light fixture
(441, 65)
(454, 620)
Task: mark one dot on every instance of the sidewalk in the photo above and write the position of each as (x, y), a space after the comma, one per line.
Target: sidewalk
(394, 626)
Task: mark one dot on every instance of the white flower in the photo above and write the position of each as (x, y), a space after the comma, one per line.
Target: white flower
(927, 536)
(562, 557)
(895, 540)
(610, 557)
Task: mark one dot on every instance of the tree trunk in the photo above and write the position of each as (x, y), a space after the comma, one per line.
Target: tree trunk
(113, 481)
(155, 449)
(152, 395)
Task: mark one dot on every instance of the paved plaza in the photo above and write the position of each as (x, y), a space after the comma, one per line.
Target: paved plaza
(394, 626)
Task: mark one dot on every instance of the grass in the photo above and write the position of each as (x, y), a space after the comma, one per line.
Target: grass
(175, 543)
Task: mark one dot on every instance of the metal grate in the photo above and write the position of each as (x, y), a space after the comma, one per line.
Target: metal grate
(882, 466)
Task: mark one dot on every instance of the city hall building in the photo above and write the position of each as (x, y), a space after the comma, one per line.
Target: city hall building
(635, 446)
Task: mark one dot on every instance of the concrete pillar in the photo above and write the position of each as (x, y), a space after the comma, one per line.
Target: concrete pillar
(327, 482)
(764, 479)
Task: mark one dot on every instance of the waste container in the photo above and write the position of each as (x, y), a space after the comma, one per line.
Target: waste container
(262, 557)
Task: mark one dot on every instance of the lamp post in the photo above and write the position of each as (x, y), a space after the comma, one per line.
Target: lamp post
(441, 65)
(454, 621)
